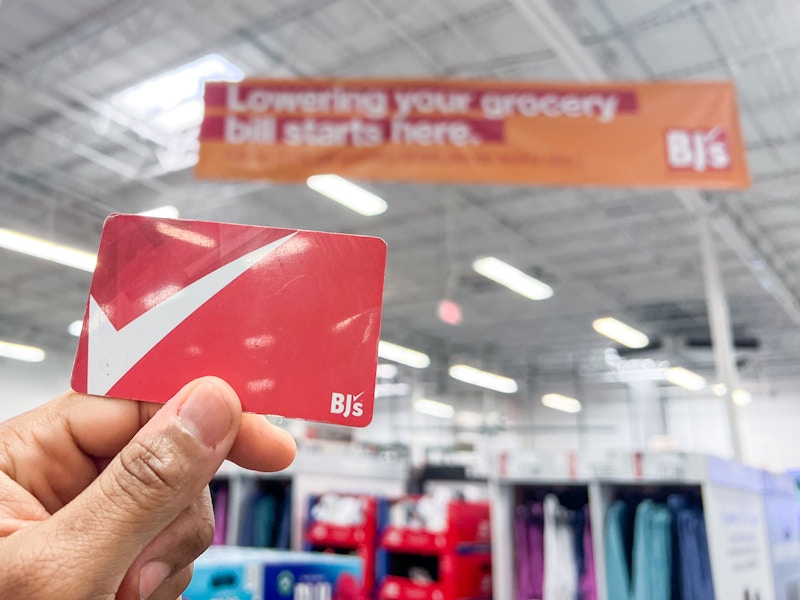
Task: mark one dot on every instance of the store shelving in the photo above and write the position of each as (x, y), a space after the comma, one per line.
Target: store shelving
(312, 473)
(749, 517)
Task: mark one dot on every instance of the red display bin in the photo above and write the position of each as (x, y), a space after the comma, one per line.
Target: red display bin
(358, 539)
(455, 563)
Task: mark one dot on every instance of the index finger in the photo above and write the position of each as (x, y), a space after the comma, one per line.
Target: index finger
(101, 427)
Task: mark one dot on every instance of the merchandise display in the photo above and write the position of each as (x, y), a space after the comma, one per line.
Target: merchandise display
(219, 498)
(668, 550)
(338, 510)
(266, 521)
(347, 524)
(435, 548)
(553, 547)
(694, 566)
(507, 292)
(244, 574)
(652, 526)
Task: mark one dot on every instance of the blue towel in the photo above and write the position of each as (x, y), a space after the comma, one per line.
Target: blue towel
(694, 563)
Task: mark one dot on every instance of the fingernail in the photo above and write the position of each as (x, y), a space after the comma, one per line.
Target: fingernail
(205, 414)
(151, 577)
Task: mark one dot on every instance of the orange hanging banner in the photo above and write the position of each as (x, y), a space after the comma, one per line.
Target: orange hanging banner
(467, 131)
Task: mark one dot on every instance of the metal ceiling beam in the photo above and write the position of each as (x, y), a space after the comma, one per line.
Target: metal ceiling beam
(25, 74)
(110, 15)
(388, 22)
(552, 29)
(547, 23)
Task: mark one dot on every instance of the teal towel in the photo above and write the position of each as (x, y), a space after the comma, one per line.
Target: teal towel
(617, 569)
(652, 553)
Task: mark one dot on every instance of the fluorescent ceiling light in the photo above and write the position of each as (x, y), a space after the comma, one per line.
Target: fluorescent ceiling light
(75, 328)
(685, 378)
(404, 356)
(511, 277)
(434, 408)
(64, 255)
(348, 194)
(173, 99)
(620, 332)
(561, 402)
(484, 379)
(741, 397)
(20, 352)
(162, 212)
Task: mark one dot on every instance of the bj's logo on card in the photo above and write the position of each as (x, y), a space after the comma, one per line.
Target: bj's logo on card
(291, 319)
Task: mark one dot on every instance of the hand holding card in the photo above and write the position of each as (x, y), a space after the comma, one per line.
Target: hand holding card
(291, 319)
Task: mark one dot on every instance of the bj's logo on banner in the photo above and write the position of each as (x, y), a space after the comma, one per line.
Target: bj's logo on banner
(288, 318)
(698, 150)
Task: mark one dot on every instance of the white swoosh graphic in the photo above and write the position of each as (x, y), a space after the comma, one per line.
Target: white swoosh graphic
(113, 353)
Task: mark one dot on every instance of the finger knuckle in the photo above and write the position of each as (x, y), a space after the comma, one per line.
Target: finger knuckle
(197, 534)
(205, 533)
(150, 466)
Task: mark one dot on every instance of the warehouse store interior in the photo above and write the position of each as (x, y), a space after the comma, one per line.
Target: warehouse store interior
(101, 103)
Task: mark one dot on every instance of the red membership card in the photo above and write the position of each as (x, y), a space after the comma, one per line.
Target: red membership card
(290, 318)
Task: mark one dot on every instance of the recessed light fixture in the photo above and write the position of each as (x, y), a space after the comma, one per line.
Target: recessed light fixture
(402, 355)
(21, 352)
(434, 408)
(32, 246)
(688, 380)
(562, 403)
(620, 332)
(741, 397)
(512, 278)
(483, 379)
(348, 194)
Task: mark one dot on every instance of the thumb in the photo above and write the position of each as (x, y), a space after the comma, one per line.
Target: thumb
(153, 479)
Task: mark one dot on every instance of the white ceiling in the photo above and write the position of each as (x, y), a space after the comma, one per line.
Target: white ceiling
(68, 158)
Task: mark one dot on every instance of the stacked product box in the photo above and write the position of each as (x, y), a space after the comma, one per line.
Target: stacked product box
(227, 573)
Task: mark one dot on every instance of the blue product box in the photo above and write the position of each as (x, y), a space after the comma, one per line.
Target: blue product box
(229, 573)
